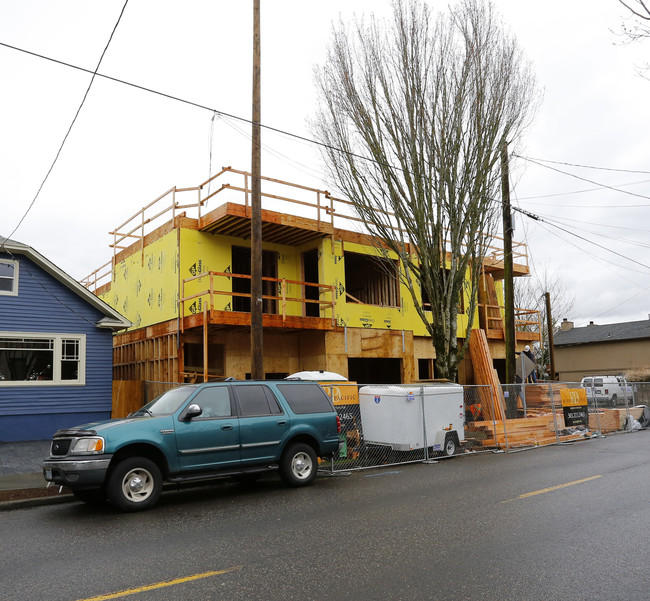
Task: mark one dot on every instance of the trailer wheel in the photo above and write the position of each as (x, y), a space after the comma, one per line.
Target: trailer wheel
(450, 447)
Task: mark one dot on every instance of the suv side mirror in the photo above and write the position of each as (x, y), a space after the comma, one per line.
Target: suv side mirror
(193, 410)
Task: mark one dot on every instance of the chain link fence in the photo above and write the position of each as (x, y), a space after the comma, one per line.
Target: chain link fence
(383, 425)
(392, 424)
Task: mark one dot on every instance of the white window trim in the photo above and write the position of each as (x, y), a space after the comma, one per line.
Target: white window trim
(56, 371)
(14, 290)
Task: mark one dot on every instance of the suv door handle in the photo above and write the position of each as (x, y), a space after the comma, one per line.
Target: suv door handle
(226, 427)
(282, 422)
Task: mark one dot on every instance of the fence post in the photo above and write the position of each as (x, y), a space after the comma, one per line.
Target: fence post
(595, 400)
(503, 421)
(550, 394)
(331, 387)
(424, 425)
(628, 422)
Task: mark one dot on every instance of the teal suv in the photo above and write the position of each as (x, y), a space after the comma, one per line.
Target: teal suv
(198, 432)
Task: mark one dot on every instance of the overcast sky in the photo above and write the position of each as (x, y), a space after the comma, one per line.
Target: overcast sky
(128, 146)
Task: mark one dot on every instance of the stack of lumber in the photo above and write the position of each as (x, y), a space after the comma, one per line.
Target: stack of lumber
(612, 420)
(538, 396)
(492, 405)
(525, 431)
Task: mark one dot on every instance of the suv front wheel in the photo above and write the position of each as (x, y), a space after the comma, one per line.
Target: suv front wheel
(299, 465)
(135, 484)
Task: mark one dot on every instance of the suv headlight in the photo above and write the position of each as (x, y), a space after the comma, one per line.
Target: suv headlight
(89, 445)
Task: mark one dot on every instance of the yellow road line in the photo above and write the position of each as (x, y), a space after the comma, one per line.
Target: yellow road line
(150, 587)
(550, 488)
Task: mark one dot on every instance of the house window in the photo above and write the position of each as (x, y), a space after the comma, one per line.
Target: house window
(8, 278)
(371, 280)
(29, 359)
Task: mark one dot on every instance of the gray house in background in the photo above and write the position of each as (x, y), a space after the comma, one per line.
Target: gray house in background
(56, 347)
(607, 350)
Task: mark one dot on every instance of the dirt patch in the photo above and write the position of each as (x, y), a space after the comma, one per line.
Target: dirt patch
(31, 493)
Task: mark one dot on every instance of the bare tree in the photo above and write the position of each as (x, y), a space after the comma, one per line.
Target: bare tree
(413, 114)
(640, 10)
(529, 293)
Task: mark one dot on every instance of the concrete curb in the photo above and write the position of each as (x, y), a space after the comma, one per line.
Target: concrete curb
(36, 502)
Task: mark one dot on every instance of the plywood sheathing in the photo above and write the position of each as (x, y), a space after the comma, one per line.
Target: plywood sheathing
(492, 402)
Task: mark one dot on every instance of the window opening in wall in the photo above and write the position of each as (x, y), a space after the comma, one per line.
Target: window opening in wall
(8, 278)
(271, 375)
(310, 274)
(425, 369)
(241, 264)
(375, 371)
(193, 358)
(371, 280)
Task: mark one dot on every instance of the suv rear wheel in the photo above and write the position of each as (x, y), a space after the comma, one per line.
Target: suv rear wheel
(299, 465)
(135, 484)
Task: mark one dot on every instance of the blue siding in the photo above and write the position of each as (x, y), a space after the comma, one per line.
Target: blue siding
(45, 305)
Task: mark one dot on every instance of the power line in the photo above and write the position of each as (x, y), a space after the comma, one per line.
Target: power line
(83, 100)
(580, 166)
(321, 144)
(304, 138)
(540, 219)
(597, 189)
(584, 179)
(607, 225)
(74, 119)
(191, 103)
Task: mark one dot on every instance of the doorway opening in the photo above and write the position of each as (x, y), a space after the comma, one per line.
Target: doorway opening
(375, 371)
(241, 265)
(310, 274)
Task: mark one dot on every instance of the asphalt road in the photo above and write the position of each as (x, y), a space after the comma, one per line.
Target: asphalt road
(556, 523)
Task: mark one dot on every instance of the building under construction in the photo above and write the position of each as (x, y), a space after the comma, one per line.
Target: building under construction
(180, 272)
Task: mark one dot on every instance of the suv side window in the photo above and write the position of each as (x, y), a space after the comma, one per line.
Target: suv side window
(256, 400)
(306, 398)
(214, 401)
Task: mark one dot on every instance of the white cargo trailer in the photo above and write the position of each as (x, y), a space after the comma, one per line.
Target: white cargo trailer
(405, 418)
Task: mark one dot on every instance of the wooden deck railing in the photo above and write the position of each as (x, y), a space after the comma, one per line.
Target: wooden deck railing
(281, 299)
(526, 320)
(290, 198)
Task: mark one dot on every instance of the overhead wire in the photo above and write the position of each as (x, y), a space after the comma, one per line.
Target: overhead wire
(83, 100)
(582, 166)
(188, 102)
(539, 162)
(74, 120)
(584, 179)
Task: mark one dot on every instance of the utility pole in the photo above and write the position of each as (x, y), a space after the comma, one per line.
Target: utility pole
(257, 331)
(508, 283)
(549, 327)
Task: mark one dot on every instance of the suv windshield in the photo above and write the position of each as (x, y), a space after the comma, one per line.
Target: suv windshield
(167, 402)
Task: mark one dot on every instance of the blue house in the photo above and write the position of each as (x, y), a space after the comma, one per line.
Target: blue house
(56, 350)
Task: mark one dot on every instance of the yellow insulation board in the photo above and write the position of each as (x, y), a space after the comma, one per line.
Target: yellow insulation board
(145, 286)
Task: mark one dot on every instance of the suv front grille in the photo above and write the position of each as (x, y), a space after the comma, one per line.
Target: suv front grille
(60, 446)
